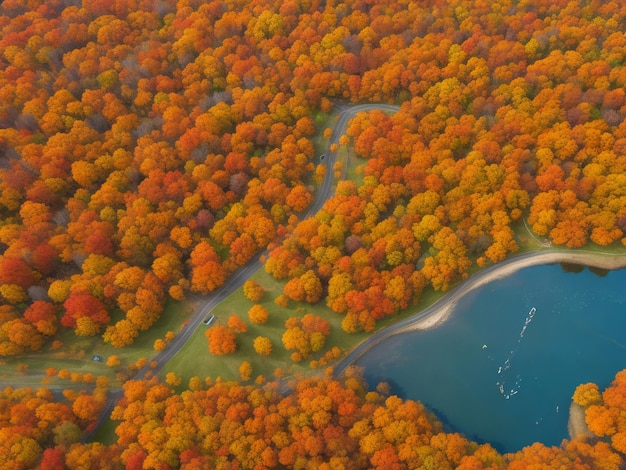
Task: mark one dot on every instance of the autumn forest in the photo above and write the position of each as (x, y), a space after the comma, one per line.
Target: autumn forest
(149, 149)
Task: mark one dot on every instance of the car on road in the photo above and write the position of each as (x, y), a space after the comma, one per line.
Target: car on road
(208, 321)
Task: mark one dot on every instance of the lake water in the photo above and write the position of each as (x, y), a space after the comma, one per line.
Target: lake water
(499, 371)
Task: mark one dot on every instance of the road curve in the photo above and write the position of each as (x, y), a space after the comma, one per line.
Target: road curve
(339, 129)
(237, 278)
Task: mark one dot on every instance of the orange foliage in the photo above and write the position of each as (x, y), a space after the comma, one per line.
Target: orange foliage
(258, 314)
(236, 324)
(603, 411)
(83, 305)
(306, 335)
(252, 290)
(152, 148)
(262, 345)
(222, 340)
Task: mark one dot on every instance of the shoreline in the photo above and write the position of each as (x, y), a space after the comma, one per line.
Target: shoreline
(588, 259)
(442, 309)
(576, 425)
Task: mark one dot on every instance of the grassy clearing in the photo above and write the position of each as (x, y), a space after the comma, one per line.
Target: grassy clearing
(29, 370)
(194, 359)
(356, 165)
(322, 121)
(172, 319)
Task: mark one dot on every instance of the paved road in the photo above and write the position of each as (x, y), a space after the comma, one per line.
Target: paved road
(236, 280)
(346, 113)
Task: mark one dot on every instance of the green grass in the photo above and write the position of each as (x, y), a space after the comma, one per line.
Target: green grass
(106, 434)
(356, 165)
(171, 319)
(322, 121)
(194, 359)
(76, 356)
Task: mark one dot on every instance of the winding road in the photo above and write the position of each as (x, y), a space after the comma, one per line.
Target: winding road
(236, 280)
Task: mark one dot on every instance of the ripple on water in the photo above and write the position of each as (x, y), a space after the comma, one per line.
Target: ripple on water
(503, 368)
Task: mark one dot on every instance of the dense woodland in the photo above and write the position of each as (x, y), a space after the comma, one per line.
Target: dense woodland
(148, 149)
(322, 424)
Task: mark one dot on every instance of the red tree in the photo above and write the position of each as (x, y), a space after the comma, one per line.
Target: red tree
(83, 305)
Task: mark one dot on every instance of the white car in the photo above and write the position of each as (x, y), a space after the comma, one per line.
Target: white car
(208, 321)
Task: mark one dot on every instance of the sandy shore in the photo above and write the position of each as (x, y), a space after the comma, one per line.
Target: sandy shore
(576, 426)
(508, 267)
(441, 310)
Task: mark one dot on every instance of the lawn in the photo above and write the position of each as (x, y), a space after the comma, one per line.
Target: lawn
(194, 359)
(172, 319)
(106, 434)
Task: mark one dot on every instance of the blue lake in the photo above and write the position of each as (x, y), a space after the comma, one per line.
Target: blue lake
(499, 371)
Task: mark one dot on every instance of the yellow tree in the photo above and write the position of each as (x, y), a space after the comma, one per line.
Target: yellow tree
(263, 345)
(258, 314)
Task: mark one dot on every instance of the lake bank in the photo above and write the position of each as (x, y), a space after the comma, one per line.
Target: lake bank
(492, 361)
(576, 426)
(508, 267)
(440, 311)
